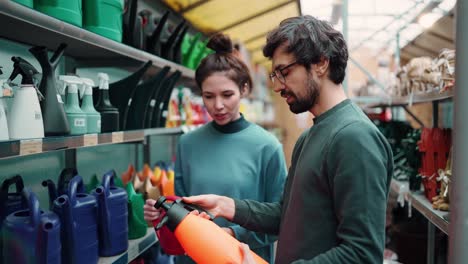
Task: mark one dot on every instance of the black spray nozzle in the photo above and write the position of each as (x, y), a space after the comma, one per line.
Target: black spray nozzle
(23, 68)
(1, 72)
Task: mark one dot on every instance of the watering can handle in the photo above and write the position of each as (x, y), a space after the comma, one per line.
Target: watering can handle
(33, 205)
(17, 180)
(108, 181)
(74, 186)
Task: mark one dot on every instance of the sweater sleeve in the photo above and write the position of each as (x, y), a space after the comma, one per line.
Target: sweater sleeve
(358, 165)
(179, 175)
(275, 175)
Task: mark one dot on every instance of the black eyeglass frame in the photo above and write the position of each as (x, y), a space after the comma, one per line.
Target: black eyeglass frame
(278, 73)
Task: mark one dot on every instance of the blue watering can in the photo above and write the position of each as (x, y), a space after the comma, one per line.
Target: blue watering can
(112, 216)
(62, 186)
(31, 236)
(77, 212)
(10, 201)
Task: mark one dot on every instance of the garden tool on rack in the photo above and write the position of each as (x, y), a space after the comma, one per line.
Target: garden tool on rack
(30, 235)
(155, 97)
(213, 244)
(176, 50)
(78, 215)
(25, 118)
(142, 98)
(109, 114)
(53, 112)
(167, 47)
(160, 115)
(121, 93)
(148, 25)
(132, 25)
(153, 41)
(112, 216)
(137, 226)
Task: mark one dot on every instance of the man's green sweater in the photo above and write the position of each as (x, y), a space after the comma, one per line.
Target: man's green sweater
(333, 206)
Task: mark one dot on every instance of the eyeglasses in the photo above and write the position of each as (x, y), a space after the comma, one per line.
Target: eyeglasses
(278, 73)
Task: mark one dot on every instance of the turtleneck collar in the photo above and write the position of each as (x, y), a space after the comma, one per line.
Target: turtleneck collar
(232, 127)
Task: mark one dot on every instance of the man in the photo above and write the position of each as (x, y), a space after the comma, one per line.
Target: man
(333, 205)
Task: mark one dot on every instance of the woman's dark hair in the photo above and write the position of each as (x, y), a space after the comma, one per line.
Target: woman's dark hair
(223, 61)
(310, 39)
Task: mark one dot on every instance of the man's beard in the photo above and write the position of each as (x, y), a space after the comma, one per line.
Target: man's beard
(306, 102)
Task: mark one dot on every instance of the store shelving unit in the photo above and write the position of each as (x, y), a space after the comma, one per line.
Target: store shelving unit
(135, 248)
(422, 205)
(416, 98)
(15, 148)
(28, 26)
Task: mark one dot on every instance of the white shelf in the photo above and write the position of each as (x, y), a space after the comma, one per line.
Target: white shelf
(417, 98)
(422, 205)
(135, 248)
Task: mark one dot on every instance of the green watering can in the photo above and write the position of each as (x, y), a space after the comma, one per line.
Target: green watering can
(136, 223)
(94, 182)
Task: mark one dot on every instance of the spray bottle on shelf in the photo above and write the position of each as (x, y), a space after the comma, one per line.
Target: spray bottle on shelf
(93, 118)
(75, 116)
(109, 114)
(5, 91)
(25, 120)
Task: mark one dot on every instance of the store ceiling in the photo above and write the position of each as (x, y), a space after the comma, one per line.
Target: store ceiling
(371, 23)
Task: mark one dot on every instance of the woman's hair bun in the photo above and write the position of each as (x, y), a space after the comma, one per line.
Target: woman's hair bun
(220, 43)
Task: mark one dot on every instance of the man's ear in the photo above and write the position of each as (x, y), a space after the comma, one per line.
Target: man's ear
(321, 68)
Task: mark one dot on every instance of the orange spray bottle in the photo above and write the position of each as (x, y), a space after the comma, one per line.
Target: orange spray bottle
(203, 240)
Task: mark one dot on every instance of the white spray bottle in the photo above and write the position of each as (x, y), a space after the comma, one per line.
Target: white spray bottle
(25, 118)
(5, 91)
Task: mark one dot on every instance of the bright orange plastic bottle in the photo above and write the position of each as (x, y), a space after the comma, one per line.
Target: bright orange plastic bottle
(203, 240)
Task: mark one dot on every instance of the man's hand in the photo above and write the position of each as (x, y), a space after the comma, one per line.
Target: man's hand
(218, 206)
(248, 257)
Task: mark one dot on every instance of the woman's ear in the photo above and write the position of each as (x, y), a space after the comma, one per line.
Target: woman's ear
(244, 90)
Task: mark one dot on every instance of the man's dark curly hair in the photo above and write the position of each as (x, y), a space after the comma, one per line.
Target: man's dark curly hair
(310, 39)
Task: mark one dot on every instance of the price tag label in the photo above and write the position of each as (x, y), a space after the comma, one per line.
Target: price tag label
(132, 252)
(30, 146)
(117, 137)
(90, 140)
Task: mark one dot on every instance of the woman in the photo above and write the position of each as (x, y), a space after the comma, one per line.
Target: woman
(228, 156)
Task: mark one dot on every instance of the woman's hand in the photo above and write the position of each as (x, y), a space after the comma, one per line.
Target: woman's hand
(218, 206)
(247, 254)
(150, 212)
